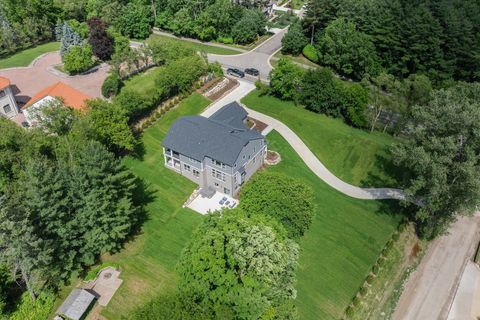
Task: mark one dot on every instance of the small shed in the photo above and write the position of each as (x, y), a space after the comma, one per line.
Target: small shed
(77, 304)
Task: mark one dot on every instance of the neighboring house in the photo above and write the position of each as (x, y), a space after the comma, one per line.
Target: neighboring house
(70, 96)
(76, 305)
(219, 153)
(8, 106)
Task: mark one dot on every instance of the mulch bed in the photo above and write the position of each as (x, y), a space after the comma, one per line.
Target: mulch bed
(259, 126)
(232, 83)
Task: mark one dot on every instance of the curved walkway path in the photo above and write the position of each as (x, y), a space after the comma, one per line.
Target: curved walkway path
(303, 151)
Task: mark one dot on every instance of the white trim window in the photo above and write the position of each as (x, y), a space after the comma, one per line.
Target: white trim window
(186, 167)
(196, 173)
(219, 175)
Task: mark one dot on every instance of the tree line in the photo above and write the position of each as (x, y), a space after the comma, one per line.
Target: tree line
(26, 23)
(65, 196)
(440, 39)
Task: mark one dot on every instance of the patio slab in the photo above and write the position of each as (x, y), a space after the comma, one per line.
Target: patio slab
(204, 205)
(106, 284)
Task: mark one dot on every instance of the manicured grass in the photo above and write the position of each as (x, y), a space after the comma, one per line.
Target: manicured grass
(148, 261)
(354, 155)
(143, 83)
(298, 59)
(198, 46)
(341, 246)
(25, 57)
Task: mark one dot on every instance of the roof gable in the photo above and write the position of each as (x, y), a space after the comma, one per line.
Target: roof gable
(71, 96)
(232, 114)
(198, 137)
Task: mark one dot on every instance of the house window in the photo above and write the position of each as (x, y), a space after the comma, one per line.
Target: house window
(254, 159)
(243, 157)
(219, 175)
(216, 184)
(218, 164)
(7, 108)
(196, 173)
(2, 93)
(186, 167)
(225, 190)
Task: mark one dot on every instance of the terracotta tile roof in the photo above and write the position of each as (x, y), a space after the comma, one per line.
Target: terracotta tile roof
(4, 82)
(71, 97)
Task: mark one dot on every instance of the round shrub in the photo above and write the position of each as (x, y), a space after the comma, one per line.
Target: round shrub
(225, 40)
(363, 291)
(310, 53)
(369, 279)
(350, 312)
(356, 301)
(78, 59)
(375, 269)
(396, 236)
(112, 85)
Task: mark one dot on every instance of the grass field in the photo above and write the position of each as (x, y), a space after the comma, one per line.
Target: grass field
(144, 82)
(148, 262)
(354, 155)
(343, 243)
(25, 57)
(198, 46)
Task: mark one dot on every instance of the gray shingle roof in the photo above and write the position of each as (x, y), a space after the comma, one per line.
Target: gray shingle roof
(76, 304)
(197, 137)
(232, 114)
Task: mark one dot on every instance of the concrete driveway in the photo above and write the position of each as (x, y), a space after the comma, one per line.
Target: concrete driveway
(26, 81)
(257, 58)
(302, 150)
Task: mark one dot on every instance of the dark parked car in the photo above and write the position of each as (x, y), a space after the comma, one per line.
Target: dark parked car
(235, 72)
(252, 71)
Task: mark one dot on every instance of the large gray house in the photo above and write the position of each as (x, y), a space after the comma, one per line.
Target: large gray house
(219, 153)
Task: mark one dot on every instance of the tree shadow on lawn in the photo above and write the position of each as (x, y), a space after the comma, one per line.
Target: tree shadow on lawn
(139, 150)
(393, 176)
(143, 194)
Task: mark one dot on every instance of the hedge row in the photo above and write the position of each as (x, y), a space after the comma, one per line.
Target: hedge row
(350, 310)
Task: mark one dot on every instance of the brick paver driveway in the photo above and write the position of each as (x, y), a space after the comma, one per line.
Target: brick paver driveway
(27, 81)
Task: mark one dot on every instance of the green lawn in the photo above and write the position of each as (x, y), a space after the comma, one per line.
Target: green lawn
(354, 155)
(148, 262)
(144, 82)
(343, 243)
(204, 47)
(25, 57)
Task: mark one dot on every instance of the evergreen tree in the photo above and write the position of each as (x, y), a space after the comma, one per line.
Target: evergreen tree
(422, 39)
(67, 37)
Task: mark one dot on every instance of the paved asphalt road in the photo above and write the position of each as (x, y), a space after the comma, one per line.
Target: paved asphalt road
(303, 151)
(257, 58)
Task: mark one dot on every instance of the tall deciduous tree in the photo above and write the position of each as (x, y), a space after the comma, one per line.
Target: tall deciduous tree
(283, 198)
(108, 123)
(294, 40)
(99, 39)
(442, 154)
(240, 268)
(348, 50)
(285, 79)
